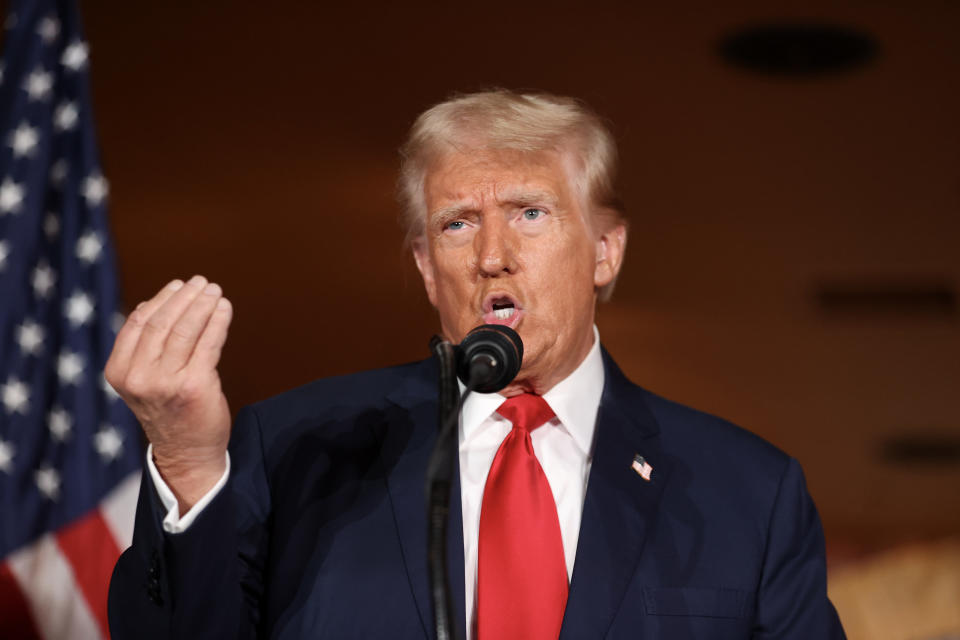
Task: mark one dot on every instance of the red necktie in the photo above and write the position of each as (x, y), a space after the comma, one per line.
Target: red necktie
(521, 574)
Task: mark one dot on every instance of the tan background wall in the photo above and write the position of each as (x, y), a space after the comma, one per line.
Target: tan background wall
(255, 143)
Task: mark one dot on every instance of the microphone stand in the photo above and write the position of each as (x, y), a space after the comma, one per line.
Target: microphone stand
(491, 358)
(439, 478)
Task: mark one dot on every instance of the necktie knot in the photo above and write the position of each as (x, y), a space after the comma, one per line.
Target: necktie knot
(526, 411)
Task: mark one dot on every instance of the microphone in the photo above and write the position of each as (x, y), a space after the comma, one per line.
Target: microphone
(489, 358)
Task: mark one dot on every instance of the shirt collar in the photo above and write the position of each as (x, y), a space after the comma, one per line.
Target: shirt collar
(575, 400)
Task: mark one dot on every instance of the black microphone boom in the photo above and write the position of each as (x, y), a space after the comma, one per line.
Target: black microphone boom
(489, 358)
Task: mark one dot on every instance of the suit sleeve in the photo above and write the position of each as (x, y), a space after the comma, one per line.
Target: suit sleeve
(208, 580)
(792, 600)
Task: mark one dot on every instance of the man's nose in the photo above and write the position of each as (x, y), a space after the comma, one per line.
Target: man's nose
(495, 248)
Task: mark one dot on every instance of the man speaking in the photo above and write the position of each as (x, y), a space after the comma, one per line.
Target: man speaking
(585, 507)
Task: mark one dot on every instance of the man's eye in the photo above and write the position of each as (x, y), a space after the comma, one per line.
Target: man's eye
(532, 213)
(456, 225)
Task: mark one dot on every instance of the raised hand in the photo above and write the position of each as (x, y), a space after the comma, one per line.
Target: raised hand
(164, 366)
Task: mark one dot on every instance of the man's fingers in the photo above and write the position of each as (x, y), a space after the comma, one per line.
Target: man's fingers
(154, 334)
(207, 353)
(129, 334)
(187, 329)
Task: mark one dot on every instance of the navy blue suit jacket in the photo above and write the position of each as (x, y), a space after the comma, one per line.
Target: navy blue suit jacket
(321, 529)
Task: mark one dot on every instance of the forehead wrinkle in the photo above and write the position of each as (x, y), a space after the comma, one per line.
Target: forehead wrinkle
(472, 201)
(458, 203)
(507, 183)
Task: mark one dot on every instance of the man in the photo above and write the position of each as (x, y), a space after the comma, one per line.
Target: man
(586, 506)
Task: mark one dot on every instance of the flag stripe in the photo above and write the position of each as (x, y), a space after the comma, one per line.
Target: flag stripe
(14, 610)
(118, 509)
(91, 550)
(59, 609)
(66, 439)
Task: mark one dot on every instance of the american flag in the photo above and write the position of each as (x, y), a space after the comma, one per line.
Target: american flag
(70, 454)
(642, 467)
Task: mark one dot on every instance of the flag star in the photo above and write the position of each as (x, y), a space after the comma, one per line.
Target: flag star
(38, 84)
(23, 140)
(4, 253)
(60, 424)
(75, 55)
(89, 247)
(11, 196)
(43, 279)
(69, 367)
(65, 116)
(6, 456)
(108, 388)
(30, 337)
(79, 309)
(108, 442)
(15, 396)
(95, 189)
(58, 172)
(48, 29)
(51, 225)
(48, 482)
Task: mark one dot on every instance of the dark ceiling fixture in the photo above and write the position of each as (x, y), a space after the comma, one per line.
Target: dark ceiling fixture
(922, 449)
(933, 297)
(798, 49)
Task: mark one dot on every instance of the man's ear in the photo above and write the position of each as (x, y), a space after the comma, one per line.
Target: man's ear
(610, 247)
(421, 254)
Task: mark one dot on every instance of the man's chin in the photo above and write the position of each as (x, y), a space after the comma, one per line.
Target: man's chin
(531, 377)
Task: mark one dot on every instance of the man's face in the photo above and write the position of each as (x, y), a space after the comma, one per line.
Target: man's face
(507, 241)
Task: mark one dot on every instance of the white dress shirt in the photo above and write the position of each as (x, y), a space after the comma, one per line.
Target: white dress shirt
(564, 448)
(173, 522)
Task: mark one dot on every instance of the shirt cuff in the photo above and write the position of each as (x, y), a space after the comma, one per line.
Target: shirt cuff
(172, 522)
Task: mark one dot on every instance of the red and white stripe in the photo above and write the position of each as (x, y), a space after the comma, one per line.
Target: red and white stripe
(643, 468)
(56, 587)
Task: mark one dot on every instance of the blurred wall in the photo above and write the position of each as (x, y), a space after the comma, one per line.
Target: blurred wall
(256, 144)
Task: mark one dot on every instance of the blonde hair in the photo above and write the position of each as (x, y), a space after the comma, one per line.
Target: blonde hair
(502, 119)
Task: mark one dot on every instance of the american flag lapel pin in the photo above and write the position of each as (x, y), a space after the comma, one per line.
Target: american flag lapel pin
(642, 467)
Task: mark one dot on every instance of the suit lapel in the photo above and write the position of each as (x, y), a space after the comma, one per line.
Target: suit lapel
(619, 509)
(413, 435)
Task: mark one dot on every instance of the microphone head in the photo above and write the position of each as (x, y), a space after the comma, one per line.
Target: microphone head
(489, 358)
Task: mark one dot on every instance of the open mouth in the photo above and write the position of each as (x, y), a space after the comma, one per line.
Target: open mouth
(502, 310)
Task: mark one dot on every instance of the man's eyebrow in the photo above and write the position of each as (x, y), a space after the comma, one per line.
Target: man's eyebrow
(526, 198)
(446, 214)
